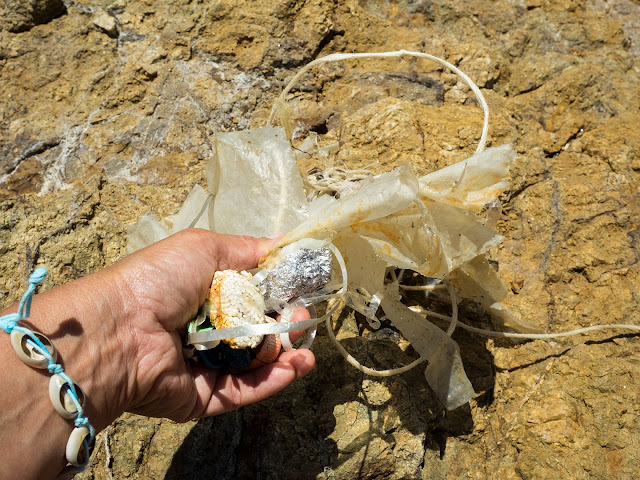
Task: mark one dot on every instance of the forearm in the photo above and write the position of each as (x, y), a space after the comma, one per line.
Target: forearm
(86, 321)
(118, 336)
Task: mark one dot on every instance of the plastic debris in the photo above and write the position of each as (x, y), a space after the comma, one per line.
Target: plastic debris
(235, 301)
(300, 273)
(259, 181)
(372, 225)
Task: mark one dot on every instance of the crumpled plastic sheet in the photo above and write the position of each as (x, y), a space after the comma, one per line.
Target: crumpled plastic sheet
(259, 187)
(149, 229)
(428, 225)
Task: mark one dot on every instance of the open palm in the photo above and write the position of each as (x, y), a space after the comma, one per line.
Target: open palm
(163, 287)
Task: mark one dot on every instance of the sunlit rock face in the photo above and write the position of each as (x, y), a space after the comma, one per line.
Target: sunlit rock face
(101, 124)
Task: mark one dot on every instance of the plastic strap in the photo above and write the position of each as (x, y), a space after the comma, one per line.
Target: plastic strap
(249, 330)
(261, 329)
(310, 333)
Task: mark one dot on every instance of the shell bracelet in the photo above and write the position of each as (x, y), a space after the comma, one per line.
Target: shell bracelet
(37, 351)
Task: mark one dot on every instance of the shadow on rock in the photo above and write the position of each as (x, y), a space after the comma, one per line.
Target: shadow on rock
(22, 15)
(337, 422)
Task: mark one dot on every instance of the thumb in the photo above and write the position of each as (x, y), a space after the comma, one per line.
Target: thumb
(191, 257)
(238, 252)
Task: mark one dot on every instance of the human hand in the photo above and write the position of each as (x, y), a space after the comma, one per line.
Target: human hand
(118, 335)
(163, 287)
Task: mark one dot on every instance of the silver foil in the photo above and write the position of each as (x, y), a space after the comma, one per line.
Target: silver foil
(301, 272)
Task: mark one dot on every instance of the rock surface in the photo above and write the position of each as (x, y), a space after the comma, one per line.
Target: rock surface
(105, 120)
(21, 15)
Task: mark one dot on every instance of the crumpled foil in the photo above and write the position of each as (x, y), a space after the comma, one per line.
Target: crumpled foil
(301, 272)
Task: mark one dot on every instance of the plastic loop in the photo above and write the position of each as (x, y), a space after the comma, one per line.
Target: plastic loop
(369, 371)
(347, 56)
(310, 333)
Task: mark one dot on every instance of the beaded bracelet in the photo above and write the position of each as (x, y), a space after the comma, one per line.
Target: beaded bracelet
(37, 351)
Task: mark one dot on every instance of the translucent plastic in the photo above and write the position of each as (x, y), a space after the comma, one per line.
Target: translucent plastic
(472, 183)
(373, 224)
(148, 229)
(259, 191)
(377, 198)
(444, 373)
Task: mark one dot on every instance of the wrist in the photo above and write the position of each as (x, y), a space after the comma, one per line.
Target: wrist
(87, 321)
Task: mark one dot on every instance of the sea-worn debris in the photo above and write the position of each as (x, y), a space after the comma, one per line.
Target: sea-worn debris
(301, 272)
(341, 239)
(234, 301)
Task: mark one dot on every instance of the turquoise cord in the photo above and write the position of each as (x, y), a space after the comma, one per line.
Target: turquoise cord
(9, 323)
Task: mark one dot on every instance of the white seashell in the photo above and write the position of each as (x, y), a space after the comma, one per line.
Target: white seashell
(235, 301)
(61, 397)
(28, 353)
(75, 451)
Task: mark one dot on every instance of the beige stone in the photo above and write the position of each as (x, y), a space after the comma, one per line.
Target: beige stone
(107, 23)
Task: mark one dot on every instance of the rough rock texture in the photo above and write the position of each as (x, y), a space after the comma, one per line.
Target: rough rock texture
(104, 120)
(20, 15)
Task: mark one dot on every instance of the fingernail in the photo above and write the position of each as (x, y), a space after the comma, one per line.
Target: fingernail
(274, 236)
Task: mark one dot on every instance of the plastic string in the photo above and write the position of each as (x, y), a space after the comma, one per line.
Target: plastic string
(454, 309)
(369, 371)
(529, 336)
(202, 210)
(310, 333)
(347, 56)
